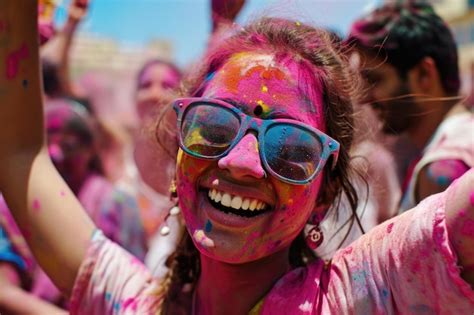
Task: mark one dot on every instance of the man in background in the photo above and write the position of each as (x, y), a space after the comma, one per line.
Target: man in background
(409, 61)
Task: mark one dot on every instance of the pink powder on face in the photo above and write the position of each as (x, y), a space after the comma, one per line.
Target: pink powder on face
(244, 159)
(13, 61)
(471, 198)
(36, 205)
(468, 228)
(62, 193)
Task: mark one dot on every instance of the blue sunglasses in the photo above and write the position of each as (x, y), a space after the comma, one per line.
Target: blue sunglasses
(290, 150)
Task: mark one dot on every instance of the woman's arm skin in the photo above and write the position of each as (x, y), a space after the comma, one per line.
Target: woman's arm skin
(460, 222)
(52, 220)
(15, 301)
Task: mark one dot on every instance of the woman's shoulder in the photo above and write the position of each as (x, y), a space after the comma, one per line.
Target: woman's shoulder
(110, 272)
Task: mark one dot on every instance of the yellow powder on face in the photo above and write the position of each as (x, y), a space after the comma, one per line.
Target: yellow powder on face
(179, 156)
(264, 89)
(265, 108)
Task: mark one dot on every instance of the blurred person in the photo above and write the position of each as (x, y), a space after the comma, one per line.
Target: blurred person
(56, 55)
(409, 60)
(72, 148)
(149, 171)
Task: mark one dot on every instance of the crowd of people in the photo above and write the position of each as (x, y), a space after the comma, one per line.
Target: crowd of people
(288, 171)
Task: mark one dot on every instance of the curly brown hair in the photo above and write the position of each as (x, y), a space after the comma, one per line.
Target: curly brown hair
(320, 61)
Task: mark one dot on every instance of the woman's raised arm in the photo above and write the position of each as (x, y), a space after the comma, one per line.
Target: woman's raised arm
(52, 220)
(460, 221)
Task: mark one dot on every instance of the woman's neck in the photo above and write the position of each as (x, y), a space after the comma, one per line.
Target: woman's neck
(236, 288)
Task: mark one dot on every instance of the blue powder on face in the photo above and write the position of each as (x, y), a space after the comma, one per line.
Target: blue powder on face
(442, 181)
(208, 227)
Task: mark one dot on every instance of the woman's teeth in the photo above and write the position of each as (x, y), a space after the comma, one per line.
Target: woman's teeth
(236, 202)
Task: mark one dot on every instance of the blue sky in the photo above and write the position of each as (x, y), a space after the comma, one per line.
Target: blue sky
(186, 23)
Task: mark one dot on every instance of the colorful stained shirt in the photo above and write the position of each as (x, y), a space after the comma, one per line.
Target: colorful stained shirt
(453, 140)
(403, 266)
(113, 211)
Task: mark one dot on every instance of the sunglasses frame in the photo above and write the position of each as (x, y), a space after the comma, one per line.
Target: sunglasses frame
(330, 147)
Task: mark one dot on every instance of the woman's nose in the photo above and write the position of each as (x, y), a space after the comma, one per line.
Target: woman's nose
(244, 159)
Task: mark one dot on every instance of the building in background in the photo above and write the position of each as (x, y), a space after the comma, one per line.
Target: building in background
(106, 70)
(460, 16)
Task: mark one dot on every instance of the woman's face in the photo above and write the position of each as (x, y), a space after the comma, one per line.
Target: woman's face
(262, 86)
(154, 85)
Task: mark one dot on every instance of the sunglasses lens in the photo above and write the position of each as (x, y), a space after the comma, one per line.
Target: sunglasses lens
(292, 152)
(208, 130)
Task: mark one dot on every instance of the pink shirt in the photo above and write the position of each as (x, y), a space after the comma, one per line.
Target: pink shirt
(403, 266)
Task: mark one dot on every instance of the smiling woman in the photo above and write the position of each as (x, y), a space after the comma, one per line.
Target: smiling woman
(280, 95)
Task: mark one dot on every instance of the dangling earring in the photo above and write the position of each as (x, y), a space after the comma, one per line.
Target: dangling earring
(315, 236)
(172, 189)
(165, 229)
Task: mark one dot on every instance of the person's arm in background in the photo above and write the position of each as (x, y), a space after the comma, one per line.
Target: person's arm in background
(13, 299)
(223, 14)
(58, 49)
(16, 301)
(51, 219)
(437, 176)
(460, 223)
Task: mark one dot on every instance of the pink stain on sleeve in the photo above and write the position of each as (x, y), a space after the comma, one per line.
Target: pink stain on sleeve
(130, 303)
(468, 228)
(390, 227)
(13, 61)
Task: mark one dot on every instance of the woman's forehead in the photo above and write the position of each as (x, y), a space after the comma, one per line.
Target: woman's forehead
(258, 79)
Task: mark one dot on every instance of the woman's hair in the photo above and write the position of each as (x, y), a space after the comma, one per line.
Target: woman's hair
(321, 64)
